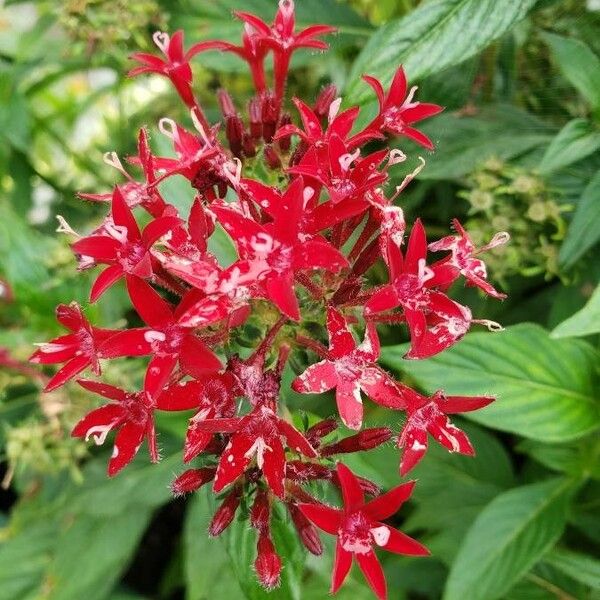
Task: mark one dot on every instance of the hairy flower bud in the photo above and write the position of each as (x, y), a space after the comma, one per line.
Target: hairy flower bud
(305, 471)
(267, 563)
(255, 117)
(226, 103)
(320, 430)
(260, 513)
(326, 96)
(306, 530)
(285, 141)
(191, 480)
(269, 116)
(234, 131)
(364, 440)
(225, 513)
(272, 158)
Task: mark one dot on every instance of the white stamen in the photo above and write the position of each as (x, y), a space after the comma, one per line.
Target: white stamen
(154, 336)
(112, 160)
(346, 160)
(409, 178)
(396, 156)
(334, 108)
(64, 227)
(232, 169)
(168, 127)
(98, 433)
(381, 535)
(118, 232)
(258, 448)
(502, 237)
(307, 194)
(408, 103)
(198, 126)
(491, 325)
(162, 40)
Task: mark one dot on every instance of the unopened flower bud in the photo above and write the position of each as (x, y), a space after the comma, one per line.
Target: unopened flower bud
(191, 480)
(267, 563)
(367, 486)
(326, 96)
(225, 513)
(269, 116)
(226, 103)
(320, 430)
(272, 158)
(234, 131)
(255, 114)
(286, 141)
(364, 440)
(248, 145)
(260, 513)
(306, 530)
(306, 471)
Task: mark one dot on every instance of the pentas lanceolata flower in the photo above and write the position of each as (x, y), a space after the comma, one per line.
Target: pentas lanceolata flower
(306, 235)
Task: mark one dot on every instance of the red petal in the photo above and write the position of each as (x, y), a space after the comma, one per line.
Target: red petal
(312, 125)
(107, 278)
(397, 92)
(159, 227)
(273, 467)
(420, 112)
(234, 461)
(154, 310)
(461, 404)
(70, 316)
(106, 416)
(103, 389)
(341, 567)
(195, 442)
(317, 378)
(450, 436)
(196, 359)
(184, 396)
(158, 372)
(68, 371)
(341, 341)
(385, 299)
(418, 136)
(349, 403)
(99, 247)
(388, 504)
(371, 568)
(130, 342)
(319, 254)
(122, 215)
(400, 543)
(381, 388)
(414, 441)
(324, 517)
(369, 350)
(127, 443)
(280, 290)
(343, 123)
(351, 491)
(377, 87)
(295, 440)
(417, 248)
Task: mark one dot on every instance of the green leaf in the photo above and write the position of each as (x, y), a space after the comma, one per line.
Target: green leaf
(584, 230)
(434, 36)
(508, 537)
(579, 567)
(584, 322)
(207, 565)
(463, 143)
(578, 64)
(576, 140)
(546, 389)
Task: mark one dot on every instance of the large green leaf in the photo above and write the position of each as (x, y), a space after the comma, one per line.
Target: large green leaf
(578, 64)
(584, 322)
(463, 143)
(580, 567)
(576, 140)
(584, 230)
(436, 35)
(546, 389)
(508, 537)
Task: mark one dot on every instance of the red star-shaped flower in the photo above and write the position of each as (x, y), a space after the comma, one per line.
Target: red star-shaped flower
(358, 527)
(434, 320)
(165, 338)
(123, 247)
(349, 368)
(398, 111)
(78, 349)
(429, 414)
(463, 260)
(130, 412)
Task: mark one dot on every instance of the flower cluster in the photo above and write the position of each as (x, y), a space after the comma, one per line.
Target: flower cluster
(305, 241)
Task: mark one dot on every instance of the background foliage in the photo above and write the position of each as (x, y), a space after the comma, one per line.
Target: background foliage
(518, 148)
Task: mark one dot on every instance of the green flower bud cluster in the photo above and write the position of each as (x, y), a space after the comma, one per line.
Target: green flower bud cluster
(504, 197)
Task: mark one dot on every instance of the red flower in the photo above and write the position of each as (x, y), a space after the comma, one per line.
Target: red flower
(131, 413)
(283, 39)
(410, 280)
(358, 526)
(349, 368)
(274, 252)
(463, 259)
(176, 66)
(397, 111)
(124, 248)
(212, 396)
(78, 349)
(165, 338)
(258, 435)
(429, 414)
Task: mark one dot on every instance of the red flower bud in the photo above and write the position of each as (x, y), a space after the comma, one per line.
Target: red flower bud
(260, 514)
(301, 471)
(272, 158)
(267, 563)
(234, 131)
(286, 141)
(269, 115)
(248, 145)
(306, 530)
(326, 96)
(320, 430)
(225, 513)
(364, 440)
(255, 114)
(226, 103)
(191, 480)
